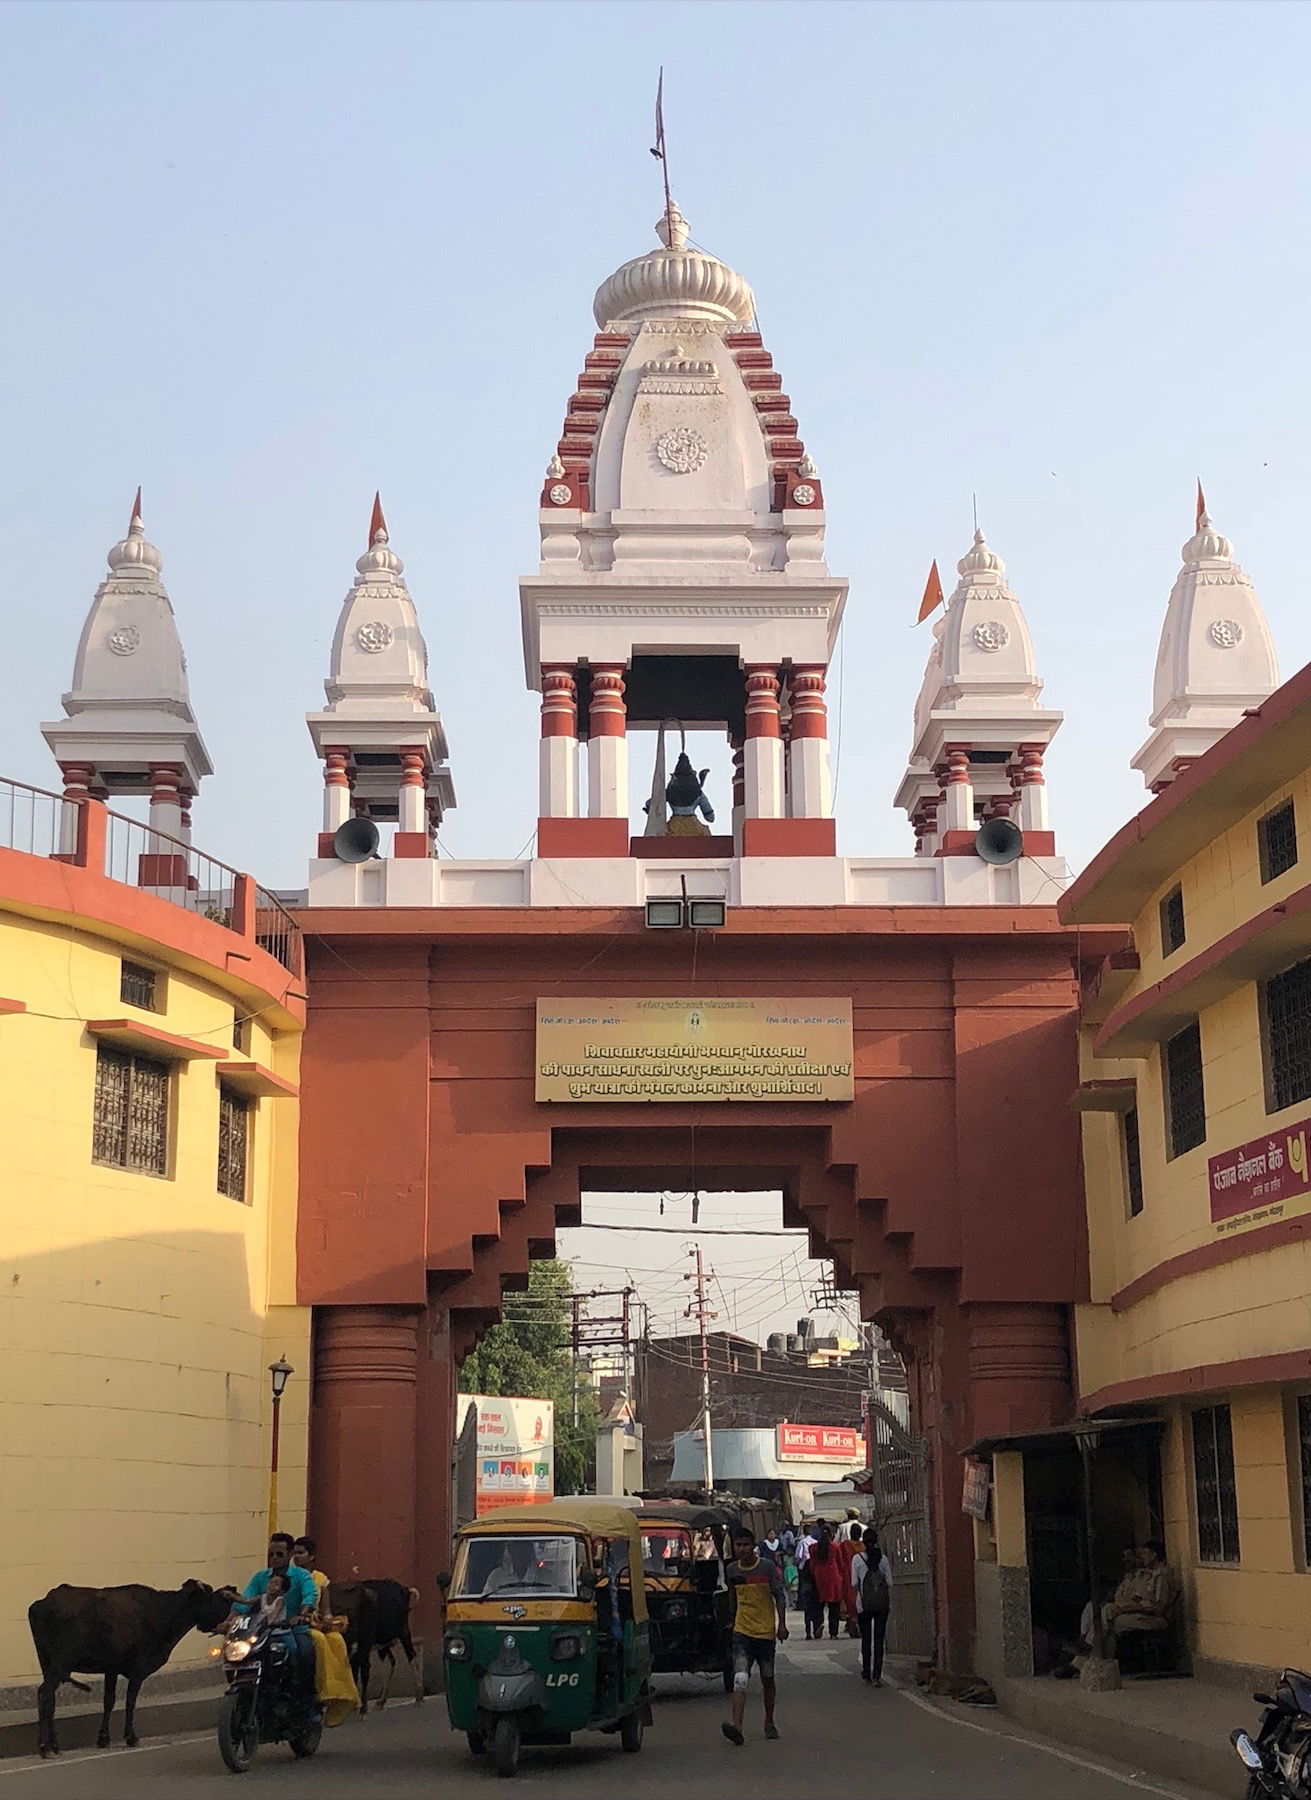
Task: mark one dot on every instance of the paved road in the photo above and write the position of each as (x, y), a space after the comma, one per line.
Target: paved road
(884, 1744)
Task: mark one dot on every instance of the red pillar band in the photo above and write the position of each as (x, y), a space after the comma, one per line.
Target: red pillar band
(762, 701)
(739, 772)
(559, 703)
(606, 716)
(809, 713)
(413, 772)
(956, 768)
(334, 768)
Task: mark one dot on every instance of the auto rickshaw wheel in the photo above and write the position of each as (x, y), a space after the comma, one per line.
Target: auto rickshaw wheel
(630, 1731)
(477, 1742)
(505, 1746)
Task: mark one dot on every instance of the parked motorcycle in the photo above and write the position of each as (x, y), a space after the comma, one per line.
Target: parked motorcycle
(1278, 1759)
(263, 1703)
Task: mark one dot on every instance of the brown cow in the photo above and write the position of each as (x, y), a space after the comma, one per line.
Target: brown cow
(129, 1631)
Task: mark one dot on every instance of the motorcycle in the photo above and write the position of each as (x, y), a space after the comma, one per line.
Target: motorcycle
(1278, 1759)
(263, 1703)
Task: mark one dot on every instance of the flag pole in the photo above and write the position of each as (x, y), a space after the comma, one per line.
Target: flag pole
(660, 151)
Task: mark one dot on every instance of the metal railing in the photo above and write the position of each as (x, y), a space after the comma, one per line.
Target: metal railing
(40, 823)
(36, 821)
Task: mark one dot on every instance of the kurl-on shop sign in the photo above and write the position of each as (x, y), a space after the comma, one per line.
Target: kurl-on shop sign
(516, 1451)
(1259, 1177)
(819, 1443)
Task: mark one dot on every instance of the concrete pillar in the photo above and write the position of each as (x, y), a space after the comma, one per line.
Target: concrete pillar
(607, 744)
(739, 786)
(363, 1428)
(957, 789)
(166, 800)
(1019, 1367)
(336, 789)
(558, 766)
(414, 793)
(763, 750)
(810, 784)
(1027, 780)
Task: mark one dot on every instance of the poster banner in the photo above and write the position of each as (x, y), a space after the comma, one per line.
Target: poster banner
(974, 1493)
(515, 1450)
(680, 1050)
(1261, 1175)
(819, 1443)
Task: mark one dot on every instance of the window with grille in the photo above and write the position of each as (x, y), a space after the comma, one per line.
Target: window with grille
(131, 1112)
(1276, 837)
(1133, 1161)
(1286, 1021)
(1185, 1098)
(1172, 921)
(139, 986)
(1213, 1482)
(234, 1142)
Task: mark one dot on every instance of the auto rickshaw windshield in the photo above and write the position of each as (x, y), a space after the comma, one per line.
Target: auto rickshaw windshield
(667, 1550)
(539, 1567)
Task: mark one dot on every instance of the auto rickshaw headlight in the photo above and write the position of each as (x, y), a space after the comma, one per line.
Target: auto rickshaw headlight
(457, 1649)
(566, 1646)
(509, 1641)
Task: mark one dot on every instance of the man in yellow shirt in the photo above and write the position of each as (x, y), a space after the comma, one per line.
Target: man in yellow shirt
(759, 1620)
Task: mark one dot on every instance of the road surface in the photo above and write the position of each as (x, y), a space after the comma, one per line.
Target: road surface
(838, 1736)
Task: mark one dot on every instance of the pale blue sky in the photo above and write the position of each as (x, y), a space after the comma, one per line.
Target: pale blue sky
(266, 258)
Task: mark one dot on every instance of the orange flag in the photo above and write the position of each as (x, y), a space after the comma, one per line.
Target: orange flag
(377, 522)
(932, 594)
(136, 510)
(1201, 503)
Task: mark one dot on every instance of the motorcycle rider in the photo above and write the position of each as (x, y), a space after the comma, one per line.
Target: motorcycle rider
(301, 1603)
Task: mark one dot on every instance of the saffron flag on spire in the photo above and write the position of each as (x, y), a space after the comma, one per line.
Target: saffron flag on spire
(932, 594)
(658, 148)
(136, 510)
(377, 523)
(1201, 503)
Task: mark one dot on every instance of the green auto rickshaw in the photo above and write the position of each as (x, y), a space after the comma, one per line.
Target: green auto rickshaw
(546, 1629)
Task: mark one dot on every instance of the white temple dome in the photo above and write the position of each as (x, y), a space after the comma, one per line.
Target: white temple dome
(135, 551)
(675, 282)
(379, 558)
(1207, 544)
(981, 560)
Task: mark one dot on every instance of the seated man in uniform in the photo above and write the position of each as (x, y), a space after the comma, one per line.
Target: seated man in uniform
(1144, 1599)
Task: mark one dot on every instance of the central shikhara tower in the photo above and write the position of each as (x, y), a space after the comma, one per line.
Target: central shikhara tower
(683, 578)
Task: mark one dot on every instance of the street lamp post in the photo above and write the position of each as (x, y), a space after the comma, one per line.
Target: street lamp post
(281, 1373)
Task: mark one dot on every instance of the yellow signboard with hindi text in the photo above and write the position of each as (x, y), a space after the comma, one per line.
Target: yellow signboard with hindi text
(694, 1050)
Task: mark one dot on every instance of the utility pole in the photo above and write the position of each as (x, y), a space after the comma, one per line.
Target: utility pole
(700, 1311)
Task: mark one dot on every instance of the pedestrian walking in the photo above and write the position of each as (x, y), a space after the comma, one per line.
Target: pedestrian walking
(846, 1548)
(825, 1567)
(759, 1621)
(871, 1580)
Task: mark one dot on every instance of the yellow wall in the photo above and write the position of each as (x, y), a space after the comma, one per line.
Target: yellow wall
(137, 1314)
(1258, 1612)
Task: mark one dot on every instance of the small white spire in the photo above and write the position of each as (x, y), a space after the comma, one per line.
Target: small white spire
(672, 228)
(806, 468)
(555, 469)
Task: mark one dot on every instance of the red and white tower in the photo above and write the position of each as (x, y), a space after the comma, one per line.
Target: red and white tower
(682, 569)
(380, 736)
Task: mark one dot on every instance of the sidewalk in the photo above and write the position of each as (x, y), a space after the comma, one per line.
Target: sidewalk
(1177, 1729)
(164, 1709)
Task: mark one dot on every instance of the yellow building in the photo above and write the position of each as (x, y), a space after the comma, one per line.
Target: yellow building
(1196, 1090)
(149, 1043)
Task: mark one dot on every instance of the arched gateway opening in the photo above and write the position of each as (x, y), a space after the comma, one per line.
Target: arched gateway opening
(945, 1191)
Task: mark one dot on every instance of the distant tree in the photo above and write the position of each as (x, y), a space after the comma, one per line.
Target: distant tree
(529, 1352)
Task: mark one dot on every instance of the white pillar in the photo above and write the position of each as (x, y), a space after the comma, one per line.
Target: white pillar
(558, 752)
(762, 760)
(607, 745)
(957, 789)
(336, 789)
(1032, 789)
(810, 783)
(166, 800)
(414, 793)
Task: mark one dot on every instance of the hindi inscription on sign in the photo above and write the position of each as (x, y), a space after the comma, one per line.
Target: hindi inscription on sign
(1270, 1169)
(672, 1050)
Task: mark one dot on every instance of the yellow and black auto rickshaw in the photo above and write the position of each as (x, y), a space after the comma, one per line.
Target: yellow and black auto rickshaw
(684, 1550)
(546, 1629)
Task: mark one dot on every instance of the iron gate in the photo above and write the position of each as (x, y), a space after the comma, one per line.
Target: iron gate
(900, 1493)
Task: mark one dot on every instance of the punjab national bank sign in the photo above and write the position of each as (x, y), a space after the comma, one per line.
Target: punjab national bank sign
(652, 1050)
(1255, 1182)
(819, 1443)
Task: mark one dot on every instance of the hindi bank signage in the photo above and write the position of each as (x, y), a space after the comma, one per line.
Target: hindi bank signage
(672, 1050)
(515, 1450)
(1257, 1178)
(819, 1443)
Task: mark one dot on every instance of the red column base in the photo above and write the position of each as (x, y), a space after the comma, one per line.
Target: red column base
(961, 843)
(789, 837)
(582, 837)
(410, 843)
(161, 871)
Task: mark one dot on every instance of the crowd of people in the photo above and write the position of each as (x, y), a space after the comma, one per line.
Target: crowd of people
(836, 1575)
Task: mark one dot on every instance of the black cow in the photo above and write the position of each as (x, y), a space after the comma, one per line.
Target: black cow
(129, 1631)
(377, 1615)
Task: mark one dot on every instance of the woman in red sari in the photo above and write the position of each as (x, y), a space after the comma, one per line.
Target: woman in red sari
(847, 1549)
(829, 1574)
